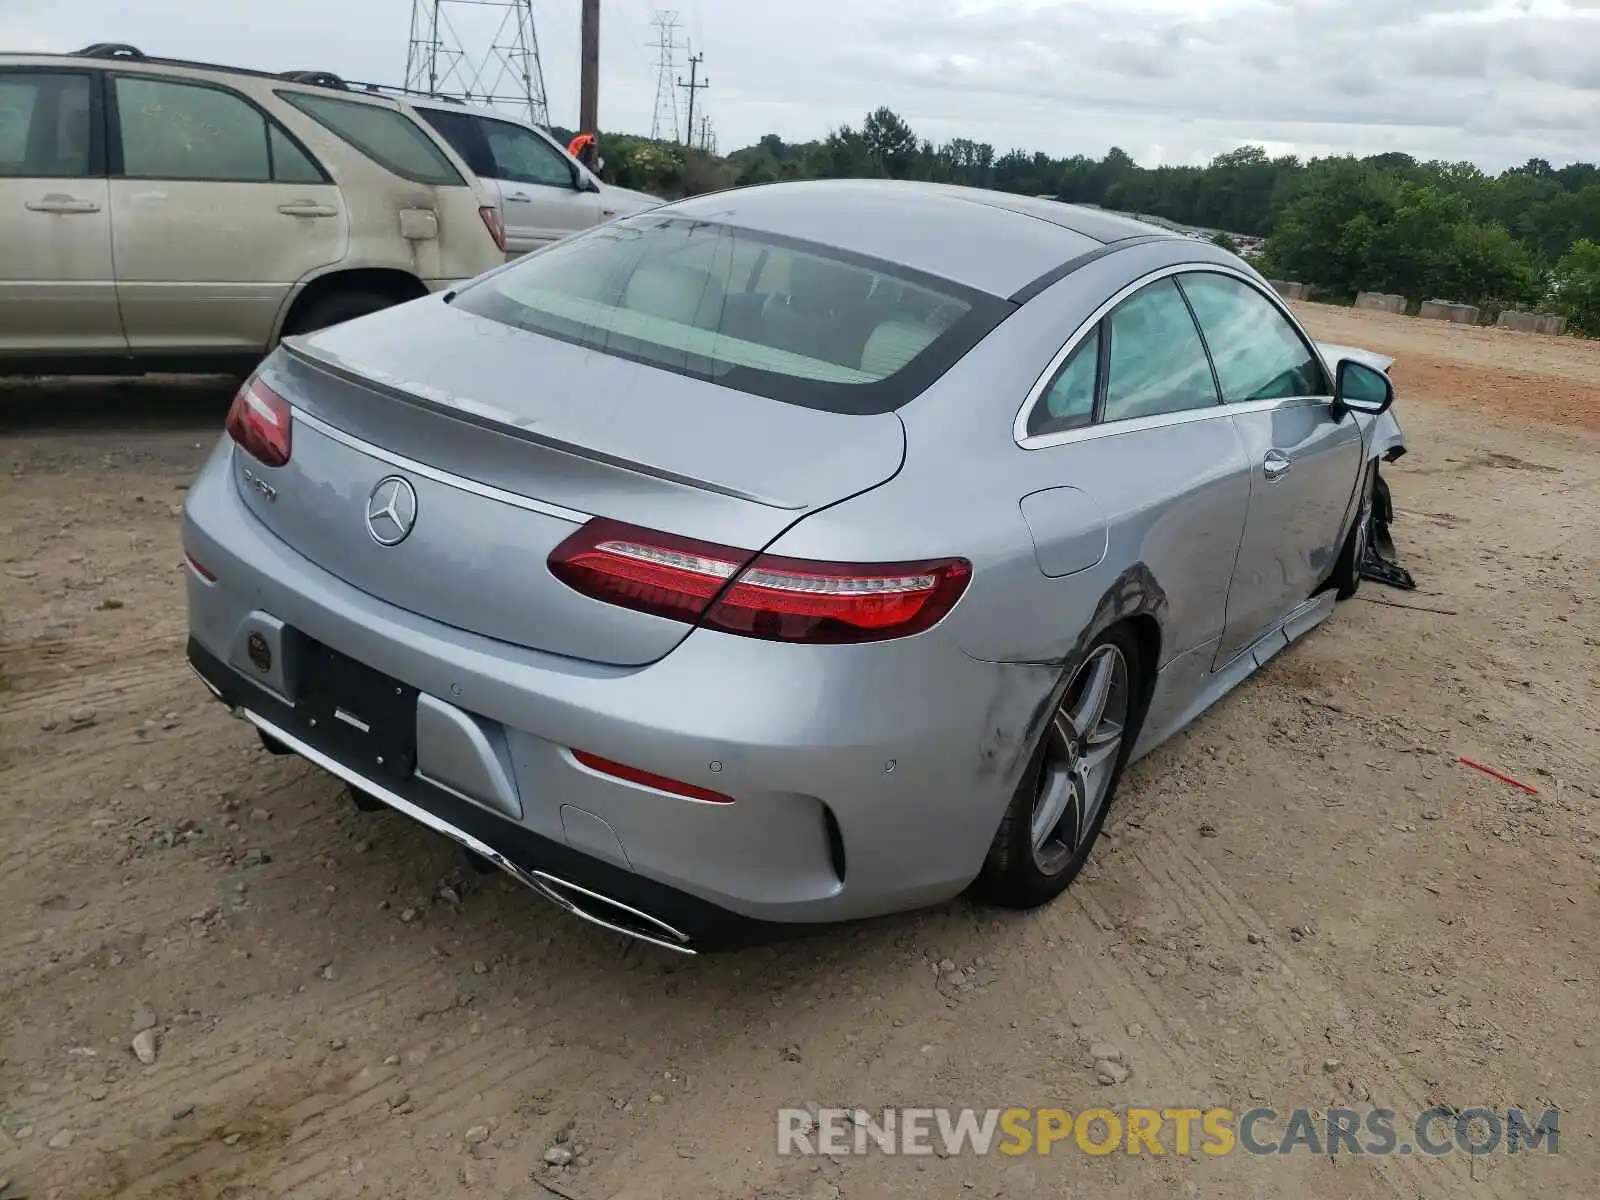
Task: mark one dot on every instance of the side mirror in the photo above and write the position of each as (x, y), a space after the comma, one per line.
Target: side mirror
(586, 183)
(1359, 388)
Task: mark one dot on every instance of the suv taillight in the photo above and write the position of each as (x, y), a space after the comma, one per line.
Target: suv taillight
(496, 227)
(262, 423)
(760, 596)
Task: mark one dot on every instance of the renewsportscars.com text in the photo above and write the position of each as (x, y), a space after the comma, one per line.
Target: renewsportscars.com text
(1260, 1132)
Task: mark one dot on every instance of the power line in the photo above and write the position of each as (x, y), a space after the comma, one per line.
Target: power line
(504, 72)
(665, 119)
(694, 85)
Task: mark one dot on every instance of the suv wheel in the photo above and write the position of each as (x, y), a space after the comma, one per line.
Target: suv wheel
(338, 307)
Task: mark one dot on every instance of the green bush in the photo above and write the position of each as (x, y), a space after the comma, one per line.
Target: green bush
(1575, 286)
(1387, 223)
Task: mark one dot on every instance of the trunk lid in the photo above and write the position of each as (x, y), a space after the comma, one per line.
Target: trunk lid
(509, 441)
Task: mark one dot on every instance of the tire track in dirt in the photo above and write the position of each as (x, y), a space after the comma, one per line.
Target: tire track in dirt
(1291, 986)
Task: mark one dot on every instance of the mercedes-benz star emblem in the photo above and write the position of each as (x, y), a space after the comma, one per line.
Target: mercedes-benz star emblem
(391, 511)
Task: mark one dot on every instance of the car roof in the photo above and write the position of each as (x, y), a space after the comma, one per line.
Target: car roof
(992, 241)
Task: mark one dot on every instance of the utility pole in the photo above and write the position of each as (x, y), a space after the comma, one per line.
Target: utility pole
(589, 77)
(694, 85)
(664, 124)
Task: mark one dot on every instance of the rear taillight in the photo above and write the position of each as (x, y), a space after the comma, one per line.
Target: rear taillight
(765, 596)
(495, 226)
(262, 422)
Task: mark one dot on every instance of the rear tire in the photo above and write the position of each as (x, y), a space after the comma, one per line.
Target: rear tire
(1346, 579)
(364, 800)
(272, 745)
(338, 307)
(1060, 806)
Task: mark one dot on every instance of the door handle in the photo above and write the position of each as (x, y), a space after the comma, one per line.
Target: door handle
(518, 198)
(1275, 465)
(308, 208)
(57, 203)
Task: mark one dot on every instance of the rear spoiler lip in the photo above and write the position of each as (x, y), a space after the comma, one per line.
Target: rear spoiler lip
(486, 416)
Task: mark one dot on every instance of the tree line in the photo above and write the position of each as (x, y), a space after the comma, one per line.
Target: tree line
(1526, 238)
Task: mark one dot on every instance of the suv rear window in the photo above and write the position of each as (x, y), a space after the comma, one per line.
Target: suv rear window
(387, 136)
(794, 321)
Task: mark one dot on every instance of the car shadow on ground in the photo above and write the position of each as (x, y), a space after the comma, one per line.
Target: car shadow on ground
(143, 404)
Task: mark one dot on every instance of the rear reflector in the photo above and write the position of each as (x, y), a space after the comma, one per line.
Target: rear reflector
(262, 423)
(495, 226)
(766, 596)
(194, 565)
(661, 783)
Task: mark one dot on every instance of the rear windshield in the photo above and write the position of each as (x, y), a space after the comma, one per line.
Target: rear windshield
(387, 136)
(793, 321)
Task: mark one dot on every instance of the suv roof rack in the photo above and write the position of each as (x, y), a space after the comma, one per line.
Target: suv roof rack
(325, 79)
(110, 50)
(122, 50)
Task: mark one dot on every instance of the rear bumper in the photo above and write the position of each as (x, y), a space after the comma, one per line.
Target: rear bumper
(866, 779)
(606, 895)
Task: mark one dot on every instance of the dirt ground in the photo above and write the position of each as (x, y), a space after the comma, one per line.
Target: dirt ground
(1305, 900)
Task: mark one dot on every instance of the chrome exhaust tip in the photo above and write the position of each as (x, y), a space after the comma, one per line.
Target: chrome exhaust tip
(611, 914)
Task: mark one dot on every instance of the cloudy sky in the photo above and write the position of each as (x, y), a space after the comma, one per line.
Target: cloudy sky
(1170, 81)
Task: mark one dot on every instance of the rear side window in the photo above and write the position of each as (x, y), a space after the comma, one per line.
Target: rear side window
(44, 125)
(1157, 362)
(1259, 355)
(386, 135)
(291, 164)
(190, 131)
(793, 321)
(465, 135)
(1068, 403)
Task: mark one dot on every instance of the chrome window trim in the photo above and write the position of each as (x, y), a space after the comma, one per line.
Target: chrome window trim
(435, 474)
(1019, 427)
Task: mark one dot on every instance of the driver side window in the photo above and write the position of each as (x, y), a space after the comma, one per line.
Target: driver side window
(524, 157)
(1258, 354)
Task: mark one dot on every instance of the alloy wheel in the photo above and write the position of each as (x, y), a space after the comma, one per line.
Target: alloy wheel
(1081, 753)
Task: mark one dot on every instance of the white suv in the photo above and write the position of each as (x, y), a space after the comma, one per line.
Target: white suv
(165, 215)
(544, 193)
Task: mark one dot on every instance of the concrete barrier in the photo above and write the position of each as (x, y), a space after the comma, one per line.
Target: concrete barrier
(1381, 302)
(1526, 322)
(1444, 310)
(1291, 291)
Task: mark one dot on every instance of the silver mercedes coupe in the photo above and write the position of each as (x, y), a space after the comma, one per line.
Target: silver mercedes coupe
(783, 556)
